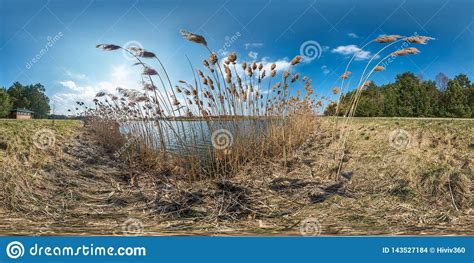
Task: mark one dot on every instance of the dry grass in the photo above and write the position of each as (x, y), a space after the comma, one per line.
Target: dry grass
(383, 190)
(26, 186)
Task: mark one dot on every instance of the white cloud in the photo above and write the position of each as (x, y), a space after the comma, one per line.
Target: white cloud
(62, 101)
(351, 50)
(353, 35)
(325, 70)
(281, 64)
(77, 90)
(120, 73)
(75, 75)
(253, 55)
(253, 45)
(70, 85)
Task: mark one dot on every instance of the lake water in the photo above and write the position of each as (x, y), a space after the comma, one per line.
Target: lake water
(189, 137)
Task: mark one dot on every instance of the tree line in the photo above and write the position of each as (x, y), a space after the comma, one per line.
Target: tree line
(31, 97)
(411, 96)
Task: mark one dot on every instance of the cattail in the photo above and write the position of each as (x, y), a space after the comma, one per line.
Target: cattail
(418, 39)
(232, 57)
(286, 74)
(335, 90)
(175, 102)
(296, 60)
(412, 50)
(178, 90)
(273, 66)
(367, 83)
(379, 68)
(387, 39)
(260, 66)
(149, 87)
(273, 73)
(100, 94)
(345, 75)
(213, 58)
(108, 47)
(205, 63)
(234, 89)
(295, 77)
(200, 73)
(140, 52)
(149, 71)
(405, 51)
(211, 83)
(141, 99)
(221, 98)
(254, 65)
(244, 65)
(193, 37)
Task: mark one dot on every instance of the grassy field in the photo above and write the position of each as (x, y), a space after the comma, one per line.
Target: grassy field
(28, 148)
(399, 177)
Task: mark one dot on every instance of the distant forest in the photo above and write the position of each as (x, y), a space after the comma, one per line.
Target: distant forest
(31, 97)
(411, 96)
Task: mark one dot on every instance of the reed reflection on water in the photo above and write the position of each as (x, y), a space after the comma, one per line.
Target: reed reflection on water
(188, 137)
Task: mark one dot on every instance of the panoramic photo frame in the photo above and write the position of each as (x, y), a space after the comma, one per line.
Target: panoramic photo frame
(182, 131)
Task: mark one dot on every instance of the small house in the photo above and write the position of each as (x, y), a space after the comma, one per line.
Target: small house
(21, 114)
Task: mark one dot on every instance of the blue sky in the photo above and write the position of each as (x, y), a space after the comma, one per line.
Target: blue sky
(62, 36)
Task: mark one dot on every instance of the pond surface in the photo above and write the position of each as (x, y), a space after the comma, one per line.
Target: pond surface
(189, 137)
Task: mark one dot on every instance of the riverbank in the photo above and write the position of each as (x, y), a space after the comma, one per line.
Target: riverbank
(399, 177)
